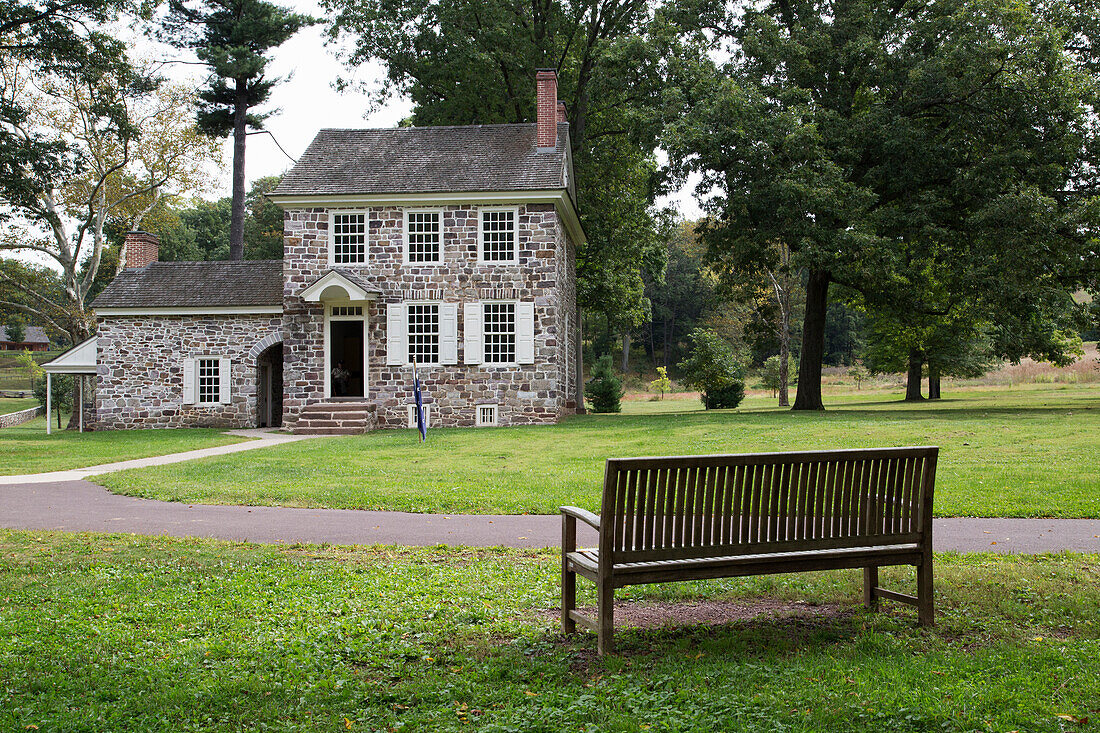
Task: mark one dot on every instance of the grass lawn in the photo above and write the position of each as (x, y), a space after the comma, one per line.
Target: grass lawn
(1024, 451)
(117, 632)
(14, 404)
(27, 449)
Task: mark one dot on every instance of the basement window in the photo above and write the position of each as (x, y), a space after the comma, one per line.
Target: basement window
(486, 416)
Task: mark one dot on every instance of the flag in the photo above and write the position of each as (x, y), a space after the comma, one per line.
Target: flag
(421, 423)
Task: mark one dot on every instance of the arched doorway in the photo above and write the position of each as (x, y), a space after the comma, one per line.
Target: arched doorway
(269, 387)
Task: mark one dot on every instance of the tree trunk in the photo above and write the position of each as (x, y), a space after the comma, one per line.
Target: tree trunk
(933, 382)
(912, 379)
(784, 376)
(236, 221)
(808, 396)
(626, 352)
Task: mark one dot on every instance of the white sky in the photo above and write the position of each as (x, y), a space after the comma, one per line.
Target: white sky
(307, 101)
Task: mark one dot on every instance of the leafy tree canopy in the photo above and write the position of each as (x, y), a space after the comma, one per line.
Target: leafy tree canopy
(473, 62)
(893, 144)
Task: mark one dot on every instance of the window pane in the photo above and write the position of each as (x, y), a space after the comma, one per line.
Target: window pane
(424, 333)
(500, 333)
(424, 237)
(349, 238)
(209, 380)
(498, 236)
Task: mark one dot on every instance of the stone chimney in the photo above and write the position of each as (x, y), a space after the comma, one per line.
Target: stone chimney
(141, 249)
(546, 118)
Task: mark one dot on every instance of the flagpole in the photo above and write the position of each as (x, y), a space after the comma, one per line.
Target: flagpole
(417, 403)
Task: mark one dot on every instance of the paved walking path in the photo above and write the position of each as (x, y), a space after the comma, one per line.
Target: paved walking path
(261, 439)
(76, 505)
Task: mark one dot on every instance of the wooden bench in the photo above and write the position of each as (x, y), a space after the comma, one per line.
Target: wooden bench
(693, 517)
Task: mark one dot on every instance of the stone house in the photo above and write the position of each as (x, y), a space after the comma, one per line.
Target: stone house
(450, 247)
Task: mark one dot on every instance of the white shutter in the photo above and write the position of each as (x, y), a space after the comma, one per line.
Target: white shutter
(397, 350)
(188, 381)
(525, 333)
(448, 333)
(471, 331)
(225, 380)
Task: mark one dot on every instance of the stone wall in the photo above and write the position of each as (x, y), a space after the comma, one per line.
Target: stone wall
(534, 393)
(12, 419)
(141, 362)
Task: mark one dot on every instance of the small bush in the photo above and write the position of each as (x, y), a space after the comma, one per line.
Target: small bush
(724, 397)
(662, 383)
(712, 369)
(604, 390)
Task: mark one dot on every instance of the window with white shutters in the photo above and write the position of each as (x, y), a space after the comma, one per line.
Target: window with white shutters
(423, 330)
(499, 332)
(423, 237)
(209, 381)
(349, 239)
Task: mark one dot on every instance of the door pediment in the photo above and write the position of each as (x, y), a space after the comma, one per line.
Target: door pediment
(335, 285)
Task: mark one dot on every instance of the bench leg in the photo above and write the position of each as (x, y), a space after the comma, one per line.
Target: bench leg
(606, 610)
(926, 614)
(568, 578)
(568, 597)
(870, 582)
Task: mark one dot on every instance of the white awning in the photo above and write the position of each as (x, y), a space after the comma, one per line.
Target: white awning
(338, 286)
(81, 359)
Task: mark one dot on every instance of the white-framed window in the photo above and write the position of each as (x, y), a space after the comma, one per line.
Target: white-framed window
(207, 380)
(497, 235)
(498, 327)
(348, 311)
(348, 238)
(423, 331)
(423, 236)
(427, 416)
(486, 416)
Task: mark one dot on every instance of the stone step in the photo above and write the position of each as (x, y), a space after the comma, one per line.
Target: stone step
(339, 407)
(299, 430)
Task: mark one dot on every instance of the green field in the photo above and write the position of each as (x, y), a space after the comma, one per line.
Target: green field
(1024, 451)
(125, 633)
(27, 449)
(13, 376)
(14, 404)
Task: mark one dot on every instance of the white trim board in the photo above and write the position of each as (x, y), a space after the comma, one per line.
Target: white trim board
(229, 310)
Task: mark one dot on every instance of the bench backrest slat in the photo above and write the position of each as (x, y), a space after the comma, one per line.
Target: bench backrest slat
(700, 506)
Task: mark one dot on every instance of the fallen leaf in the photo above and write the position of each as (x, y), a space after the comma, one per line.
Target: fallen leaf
(347, 723)
(530, 694)
(1073, 718)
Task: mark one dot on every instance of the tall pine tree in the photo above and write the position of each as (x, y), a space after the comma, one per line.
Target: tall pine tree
(233, 37)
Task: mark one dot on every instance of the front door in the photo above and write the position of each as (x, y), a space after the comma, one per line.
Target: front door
(346, 358)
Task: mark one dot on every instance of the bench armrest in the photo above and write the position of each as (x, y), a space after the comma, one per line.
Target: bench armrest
(592, 520)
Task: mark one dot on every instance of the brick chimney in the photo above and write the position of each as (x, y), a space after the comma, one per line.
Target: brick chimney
(563, 115)
(546, 118)
(141, 249)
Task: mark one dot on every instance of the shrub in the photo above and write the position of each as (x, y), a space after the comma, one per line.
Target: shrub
(604, 390)
(769, 375)
(662, 383)
(712, 369)
(62, 394)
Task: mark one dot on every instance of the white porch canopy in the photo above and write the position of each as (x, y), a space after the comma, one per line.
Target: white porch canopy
(335, 285)
(80, 361)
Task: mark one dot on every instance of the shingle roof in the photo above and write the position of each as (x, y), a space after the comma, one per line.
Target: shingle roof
(35, 335)
(196, 285)
(428, 160)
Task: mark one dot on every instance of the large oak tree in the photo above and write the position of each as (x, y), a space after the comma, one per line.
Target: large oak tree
(890, 144)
